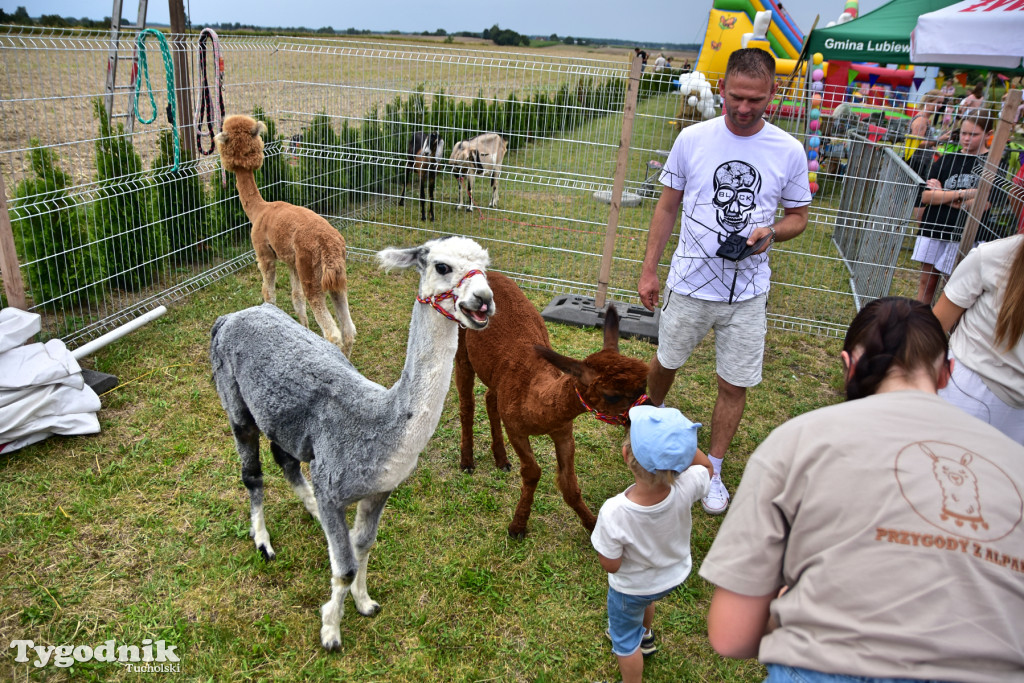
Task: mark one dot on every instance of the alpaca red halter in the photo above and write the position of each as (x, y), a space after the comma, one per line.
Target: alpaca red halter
(622, 419)
(436, 300)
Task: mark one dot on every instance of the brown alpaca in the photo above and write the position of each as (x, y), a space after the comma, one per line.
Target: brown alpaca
(313, 249)
(533, 390)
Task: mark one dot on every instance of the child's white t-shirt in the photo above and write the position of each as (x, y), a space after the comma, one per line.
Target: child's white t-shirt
(731, 184)
(653, 541)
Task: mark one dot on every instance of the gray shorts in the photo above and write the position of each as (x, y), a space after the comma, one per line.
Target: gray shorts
(739, 334)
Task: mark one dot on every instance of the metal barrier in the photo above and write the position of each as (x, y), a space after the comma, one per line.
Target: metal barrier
(874, 216)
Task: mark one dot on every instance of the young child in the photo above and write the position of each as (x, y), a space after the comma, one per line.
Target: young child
(642, 535)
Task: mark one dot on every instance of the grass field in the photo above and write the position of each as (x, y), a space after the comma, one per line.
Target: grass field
(141, 531)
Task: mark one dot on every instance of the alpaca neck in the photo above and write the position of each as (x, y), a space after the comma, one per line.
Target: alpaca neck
(426, 376)
(566, 405)
(252, 200)
(556, 397)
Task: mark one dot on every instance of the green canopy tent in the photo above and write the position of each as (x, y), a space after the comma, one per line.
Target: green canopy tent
(882, 35)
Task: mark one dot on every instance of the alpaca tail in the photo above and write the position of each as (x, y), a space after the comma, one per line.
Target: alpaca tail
(334, 278)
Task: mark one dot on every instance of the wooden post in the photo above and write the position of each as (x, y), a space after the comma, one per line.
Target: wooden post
(629, 112)
(1007, 119)
(14, 286)
(182, 89)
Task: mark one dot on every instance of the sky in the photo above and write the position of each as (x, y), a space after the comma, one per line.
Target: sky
(684, 21)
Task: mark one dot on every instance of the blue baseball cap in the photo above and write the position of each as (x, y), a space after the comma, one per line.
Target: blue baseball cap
(662, 438)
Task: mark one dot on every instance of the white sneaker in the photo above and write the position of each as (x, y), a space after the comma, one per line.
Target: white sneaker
(718, 497)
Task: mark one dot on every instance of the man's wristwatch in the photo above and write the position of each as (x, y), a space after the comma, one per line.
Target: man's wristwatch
(773, 233)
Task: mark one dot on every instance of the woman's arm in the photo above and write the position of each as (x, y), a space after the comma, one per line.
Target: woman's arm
(736, 623)
(947, 312)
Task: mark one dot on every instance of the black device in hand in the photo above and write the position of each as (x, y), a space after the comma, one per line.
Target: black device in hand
(735, 247)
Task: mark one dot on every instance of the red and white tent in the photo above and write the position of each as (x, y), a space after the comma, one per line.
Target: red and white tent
(985, 33)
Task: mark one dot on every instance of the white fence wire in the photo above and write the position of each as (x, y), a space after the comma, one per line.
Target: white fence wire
(105, 229)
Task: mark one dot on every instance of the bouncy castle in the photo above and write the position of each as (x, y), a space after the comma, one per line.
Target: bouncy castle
(730, 20)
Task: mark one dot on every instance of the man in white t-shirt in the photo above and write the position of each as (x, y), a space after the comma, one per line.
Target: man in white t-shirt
(729, 174)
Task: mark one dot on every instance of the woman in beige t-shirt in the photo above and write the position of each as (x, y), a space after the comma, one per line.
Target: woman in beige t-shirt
(880, 538)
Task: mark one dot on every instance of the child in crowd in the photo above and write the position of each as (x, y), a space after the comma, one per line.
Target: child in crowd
(642, 535)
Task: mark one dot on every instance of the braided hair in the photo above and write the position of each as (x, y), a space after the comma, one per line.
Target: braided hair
(893, 333)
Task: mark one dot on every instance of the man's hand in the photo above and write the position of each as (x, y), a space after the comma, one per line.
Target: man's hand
(648, 289)
(662, 223)
(755, 235)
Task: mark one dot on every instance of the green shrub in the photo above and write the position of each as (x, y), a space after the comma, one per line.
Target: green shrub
(130, 245)
(51, 239)
(179, 203)
(320, 175)
(231, 225)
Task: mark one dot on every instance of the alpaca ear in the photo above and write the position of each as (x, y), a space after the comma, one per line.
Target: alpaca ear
(576, 369)
(611, 329)
(393, 257)
(220, 138)
(928, 452)
(261, 129)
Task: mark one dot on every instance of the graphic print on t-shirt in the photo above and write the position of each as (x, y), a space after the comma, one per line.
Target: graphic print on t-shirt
(958, 491)
(737, 184)
(734, 207)
(731, 187)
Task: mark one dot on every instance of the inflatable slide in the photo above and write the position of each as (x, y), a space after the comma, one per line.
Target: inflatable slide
(730, 19)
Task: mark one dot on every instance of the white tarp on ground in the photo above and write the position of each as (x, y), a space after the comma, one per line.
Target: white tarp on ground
(42, 391)
(973, 32)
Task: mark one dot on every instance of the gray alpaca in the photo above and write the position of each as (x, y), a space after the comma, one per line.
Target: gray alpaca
(361, 440)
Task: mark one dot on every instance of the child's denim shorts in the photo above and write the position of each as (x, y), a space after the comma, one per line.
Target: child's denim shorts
(626, 619)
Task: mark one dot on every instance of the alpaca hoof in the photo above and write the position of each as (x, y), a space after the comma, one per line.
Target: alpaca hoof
(372, 611)
(518, 535)
(505, 468)
(268, 553)
(330, 638)
(468, 469)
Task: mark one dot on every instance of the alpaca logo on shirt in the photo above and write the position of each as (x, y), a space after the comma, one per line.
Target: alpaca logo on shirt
(958, 491)
(736, 186)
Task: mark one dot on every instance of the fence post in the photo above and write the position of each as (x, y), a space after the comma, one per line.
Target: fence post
(1007, 119)
(183, 91)
(628, 113)
(14, 286)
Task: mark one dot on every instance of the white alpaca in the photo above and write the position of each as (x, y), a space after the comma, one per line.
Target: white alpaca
(360, 439)
(480, 156)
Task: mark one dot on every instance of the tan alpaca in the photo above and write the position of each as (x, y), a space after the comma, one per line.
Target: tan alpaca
(313, 249)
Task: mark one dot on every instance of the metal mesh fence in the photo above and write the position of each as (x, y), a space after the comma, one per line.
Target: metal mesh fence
(104, 227)
(875, 210)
